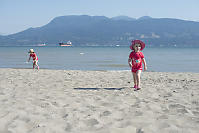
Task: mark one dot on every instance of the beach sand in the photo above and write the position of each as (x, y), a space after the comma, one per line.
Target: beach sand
(62, 101)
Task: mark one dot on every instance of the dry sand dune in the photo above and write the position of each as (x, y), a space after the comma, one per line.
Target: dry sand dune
(60, 101)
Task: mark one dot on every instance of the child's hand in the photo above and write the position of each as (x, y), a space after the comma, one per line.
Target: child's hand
(145, 68)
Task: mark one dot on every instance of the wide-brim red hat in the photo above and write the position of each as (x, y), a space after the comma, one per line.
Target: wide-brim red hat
(137, 42)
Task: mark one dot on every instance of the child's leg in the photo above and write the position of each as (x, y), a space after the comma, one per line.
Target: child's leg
(135, 79)
(37, 65)
(138, 75)
(33, 65)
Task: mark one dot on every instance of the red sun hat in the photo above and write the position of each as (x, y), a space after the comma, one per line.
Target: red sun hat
(137, 42)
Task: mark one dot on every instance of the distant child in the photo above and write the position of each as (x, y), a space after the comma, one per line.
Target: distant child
(34, 57)
(136, 58)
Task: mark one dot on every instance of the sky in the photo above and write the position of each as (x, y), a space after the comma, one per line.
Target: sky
(19, 15)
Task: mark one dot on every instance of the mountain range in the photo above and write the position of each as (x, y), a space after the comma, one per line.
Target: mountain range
(84, 30)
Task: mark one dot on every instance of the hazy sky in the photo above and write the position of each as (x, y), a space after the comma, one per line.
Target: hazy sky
(18, 15)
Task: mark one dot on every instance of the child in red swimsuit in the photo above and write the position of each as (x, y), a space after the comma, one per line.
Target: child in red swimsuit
(136, 58)
(34, 57)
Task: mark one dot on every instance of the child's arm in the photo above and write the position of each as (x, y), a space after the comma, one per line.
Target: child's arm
(129, 62)
(29, 58)
(144, 61)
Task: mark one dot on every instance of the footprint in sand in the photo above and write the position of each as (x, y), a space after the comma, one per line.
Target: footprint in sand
(163, 117)
(88, 124)
(19, 122)
(105, 113)
(68, 127)
(138, 113)
(44, 105)
(196, 113)
(178, 108)
(1, 93)
(91, 122)
(106, 104)
(55, 104)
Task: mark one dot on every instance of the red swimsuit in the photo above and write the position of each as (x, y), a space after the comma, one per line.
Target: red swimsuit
(34, 56)
(136, 60)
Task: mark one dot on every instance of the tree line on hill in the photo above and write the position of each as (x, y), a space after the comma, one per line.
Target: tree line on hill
(87, 30)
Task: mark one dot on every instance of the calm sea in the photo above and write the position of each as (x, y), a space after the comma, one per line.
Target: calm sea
(101, 58)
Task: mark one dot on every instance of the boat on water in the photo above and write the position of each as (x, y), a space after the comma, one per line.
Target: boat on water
(42, 44)
(69, 43)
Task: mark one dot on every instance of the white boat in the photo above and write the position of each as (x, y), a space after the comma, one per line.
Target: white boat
(43, 44)
(69, 43)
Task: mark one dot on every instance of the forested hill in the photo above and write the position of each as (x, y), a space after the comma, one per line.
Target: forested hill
(100, 30)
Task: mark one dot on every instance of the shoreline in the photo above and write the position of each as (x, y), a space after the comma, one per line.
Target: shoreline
(97, 101)
(29, 68)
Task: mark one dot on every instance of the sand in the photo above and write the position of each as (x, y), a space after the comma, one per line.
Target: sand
(60, 101)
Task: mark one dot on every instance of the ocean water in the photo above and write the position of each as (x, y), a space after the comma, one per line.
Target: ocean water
(101, 58)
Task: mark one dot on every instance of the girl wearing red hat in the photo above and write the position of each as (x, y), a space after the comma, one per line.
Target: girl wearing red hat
(136, 58)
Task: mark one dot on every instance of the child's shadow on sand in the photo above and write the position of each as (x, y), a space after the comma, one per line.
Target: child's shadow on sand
(98, 88)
